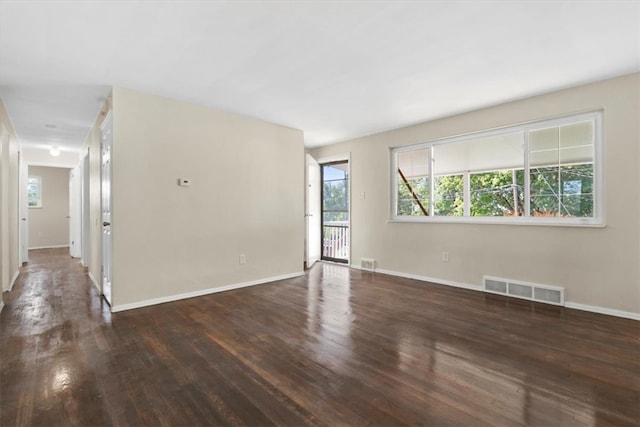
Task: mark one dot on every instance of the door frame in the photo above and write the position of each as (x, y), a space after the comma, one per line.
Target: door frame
(312, 258)
(23, 202)
(107, 124)
(342, 157)
(75, 212)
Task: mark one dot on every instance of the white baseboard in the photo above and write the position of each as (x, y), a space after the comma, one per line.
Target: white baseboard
(13, 279)
(427, 279)
(602, 310)
(154, 301)
(11, 283)
(95, 282)
(48, 247)
(567, 304)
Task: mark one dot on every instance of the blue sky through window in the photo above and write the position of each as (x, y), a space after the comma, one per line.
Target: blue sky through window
(331, 173)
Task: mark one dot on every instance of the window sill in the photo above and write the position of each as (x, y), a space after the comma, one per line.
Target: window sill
(529, 221)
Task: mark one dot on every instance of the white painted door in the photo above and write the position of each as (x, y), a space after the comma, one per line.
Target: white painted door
(74, 213)
(313, 211)
(24, 211)
(107, 236)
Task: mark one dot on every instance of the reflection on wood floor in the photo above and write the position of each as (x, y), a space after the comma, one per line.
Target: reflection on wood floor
(336, 347)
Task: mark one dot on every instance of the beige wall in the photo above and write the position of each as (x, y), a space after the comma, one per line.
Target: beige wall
(9, 184)
(598, 266)
(49, 225)
(246, 198)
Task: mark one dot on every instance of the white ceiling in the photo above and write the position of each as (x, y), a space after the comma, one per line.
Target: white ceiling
(335, 69)
(60, 115)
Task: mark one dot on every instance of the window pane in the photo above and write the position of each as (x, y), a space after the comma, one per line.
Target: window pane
(543, 139)
(449, 195)
(482, 154)
(449, 163)
(34, 194)
(413, 192)
(489, 162)
(576, 143)
(576, 134)
(562, 191)
(413, 196)
(577, 190)
(545, 199)
(561, 170)
(497, 193)
(335, 216)
(414, 163)
(335, 195)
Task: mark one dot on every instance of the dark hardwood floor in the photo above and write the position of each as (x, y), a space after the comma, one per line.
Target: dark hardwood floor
(337, 347)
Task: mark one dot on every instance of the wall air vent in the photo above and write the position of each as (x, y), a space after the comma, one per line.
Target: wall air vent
(552, 296)
(368, 264)
(495, 286)
(524, 290)
(520, 291)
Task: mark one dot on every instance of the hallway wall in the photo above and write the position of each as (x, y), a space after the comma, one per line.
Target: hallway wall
(9, 217)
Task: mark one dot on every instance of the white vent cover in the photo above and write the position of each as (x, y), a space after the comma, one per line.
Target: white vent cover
(368, 264)
(518, 289)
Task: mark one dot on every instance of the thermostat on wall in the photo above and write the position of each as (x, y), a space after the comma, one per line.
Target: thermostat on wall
(184, 182)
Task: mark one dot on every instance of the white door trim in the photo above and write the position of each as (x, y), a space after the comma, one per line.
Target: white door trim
(313, 211)
(106, 130)
(24, 211)
(75, 203)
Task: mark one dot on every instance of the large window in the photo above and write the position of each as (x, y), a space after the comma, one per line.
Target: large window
(545, 172)
(34, 191)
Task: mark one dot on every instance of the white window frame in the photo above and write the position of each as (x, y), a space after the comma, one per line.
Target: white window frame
(598, 219)
(39, 179)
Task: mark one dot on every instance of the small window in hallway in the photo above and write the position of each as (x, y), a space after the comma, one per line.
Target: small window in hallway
(34, 191)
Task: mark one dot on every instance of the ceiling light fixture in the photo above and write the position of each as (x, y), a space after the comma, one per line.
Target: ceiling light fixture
(55, 151)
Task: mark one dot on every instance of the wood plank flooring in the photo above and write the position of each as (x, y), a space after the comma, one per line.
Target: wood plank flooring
(336, 347)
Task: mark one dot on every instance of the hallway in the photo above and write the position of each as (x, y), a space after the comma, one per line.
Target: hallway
(336, 347)
(51, 324)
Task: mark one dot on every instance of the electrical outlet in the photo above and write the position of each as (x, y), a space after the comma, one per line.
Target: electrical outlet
(445, 256)
(243, 259)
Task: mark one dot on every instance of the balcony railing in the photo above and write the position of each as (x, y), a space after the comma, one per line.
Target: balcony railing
(335, 240)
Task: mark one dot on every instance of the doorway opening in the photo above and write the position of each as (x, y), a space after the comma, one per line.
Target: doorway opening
(335, 211)
(47, 208)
